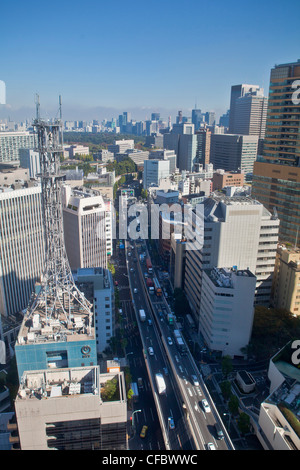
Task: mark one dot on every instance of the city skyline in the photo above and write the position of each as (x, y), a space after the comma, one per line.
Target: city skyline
(107, 58)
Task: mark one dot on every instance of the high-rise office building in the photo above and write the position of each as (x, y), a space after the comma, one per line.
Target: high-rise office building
(187, 152)
(85, 231)
(276, 175)
(250, 114)
(232, 152)
(154, 171)
(197, 118)
(237, 91)
(203, 146)
(30, 159)
(238, 231)
(11, 142)
(226, 309)
(210, 118)
(98, 287)
(224, 120)
(2, 92)
(286, 283)
(21, 246)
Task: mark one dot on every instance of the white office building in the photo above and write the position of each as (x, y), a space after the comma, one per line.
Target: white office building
(226, 309)
(97, 286)
(21, 247)
(30, 159)
(154, 171)
(240, 232)
(250, 114)
(67, 409)
(85, 220)
(11, 142)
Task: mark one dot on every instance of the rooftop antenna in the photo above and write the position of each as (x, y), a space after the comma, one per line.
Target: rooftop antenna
(60, 114)
(37, 105)
(58, 296)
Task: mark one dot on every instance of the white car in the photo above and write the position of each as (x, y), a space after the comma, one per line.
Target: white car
(206, 406)
(195, 380)
(151, 351)
(135, 291)
(211, 446)
(170, 342)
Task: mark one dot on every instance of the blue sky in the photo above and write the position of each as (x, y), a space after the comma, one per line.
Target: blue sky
(108, 57)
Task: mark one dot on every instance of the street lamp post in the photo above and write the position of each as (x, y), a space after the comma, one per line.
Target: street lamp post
(133, 426)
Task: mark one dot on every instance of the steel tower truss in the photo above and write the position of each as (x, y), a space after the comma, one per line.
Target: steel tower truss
(58, 297)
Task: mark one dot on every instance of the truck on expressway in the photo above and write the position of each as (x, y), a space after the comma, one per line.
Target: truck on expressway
(149, 284)
(157, 287)
(135, 394)
(142, 315)
(149, 265)
(179, 341)
(161, 384)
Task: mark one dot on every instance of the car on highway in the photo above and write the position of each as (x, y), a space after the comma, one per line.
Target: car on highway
(135, 291)
(171, 422)
(129, 254)
(195, 380)
(151, 351)
(170, 342)
(211, 446)
(205, 406)
(149, 322)
(131, 270)
(144, 432)
(219, 431)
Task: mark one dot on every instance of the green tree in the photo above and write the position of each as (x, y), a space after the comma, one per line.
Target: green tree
(109, 391)
(233, 404)
(226, 389)
(226, 365)
(130, 394)
(244, 423)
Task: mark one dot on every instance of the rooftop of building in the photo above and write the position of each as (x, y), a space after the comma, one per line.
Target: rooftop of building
(223, 277)
(287, 395)
(63, 319)
(19, 184)
(62, 383)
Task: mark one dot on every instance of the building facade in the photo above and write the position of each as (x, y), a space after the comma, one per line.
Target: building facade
(232, 152)
(154, 171)
(276, 175)
(11, 142)
(67, 409)
(238, 231)
(238, 91)
(226, 309)
(21, 247)
(286, 283)
(98, 288)
(85, 228)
